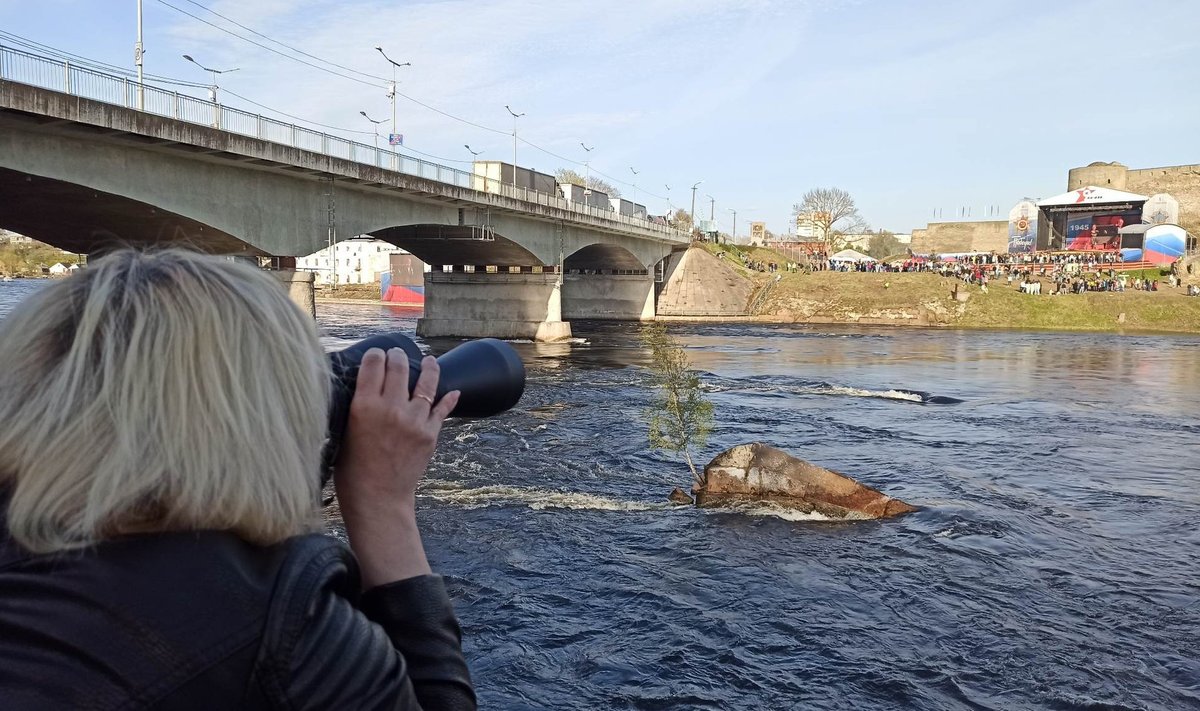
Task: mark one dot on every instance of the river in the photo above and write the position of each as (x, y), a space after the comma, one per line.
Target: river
(1054, 562)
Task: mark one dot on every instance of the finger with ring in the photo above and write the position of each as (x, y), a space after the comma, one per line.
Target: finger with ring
(424, 397)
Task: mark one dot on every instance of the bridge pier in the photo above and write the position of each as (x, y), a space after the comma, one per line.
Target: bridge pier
(485, 304)
(300, 288)
(609, 296)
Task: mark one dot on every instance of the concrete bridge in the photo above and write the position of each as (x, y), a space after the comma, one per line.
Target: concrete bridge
(86, 172)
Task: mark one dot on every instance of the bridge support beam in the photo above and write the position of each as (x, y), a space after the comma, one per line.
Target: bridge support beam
(299, 287)
(493, 305)
(613, 297)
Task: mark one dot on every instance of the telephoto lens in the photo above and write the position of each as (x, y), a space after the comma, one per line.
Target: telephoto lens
(488, 373)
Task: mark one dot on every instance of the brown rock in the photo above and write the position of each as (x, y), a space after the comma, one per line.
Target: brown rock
(759, 472)
(679, 496)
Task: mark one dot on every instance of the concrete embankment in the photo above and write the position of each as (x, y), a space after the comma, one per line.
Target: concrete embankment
(702, 287)
(698, 284)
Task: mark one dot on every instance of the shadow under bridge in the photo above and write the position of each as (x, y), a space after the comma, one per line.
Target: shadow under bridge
(608, 282)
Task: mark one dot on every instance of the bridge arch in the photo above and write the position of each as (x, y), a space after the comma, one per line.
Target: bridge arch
(83, 219)
(437, 244)
(603, 257)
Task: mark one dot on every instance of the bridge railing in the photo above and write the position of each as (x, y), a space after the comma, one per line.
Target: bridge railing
(59, 75)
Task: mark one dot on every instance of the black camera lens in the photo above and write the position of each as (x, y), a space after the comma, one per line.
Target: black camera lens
(487, 372)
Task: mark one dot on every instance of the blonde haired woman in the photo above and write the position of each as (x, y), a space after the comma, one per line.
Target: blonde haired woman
(161, 421)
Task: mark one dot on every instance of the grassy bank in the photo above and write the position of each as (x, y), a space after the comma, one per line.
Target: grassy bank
(924, 299)
(30, 259)
(354, 292)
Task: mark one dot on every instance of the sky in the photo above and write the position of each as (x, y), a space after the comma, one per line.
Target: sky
(916, 108)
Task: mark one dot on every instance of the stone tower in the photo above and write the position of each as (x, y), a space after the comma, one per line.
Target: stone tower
(1103, 175)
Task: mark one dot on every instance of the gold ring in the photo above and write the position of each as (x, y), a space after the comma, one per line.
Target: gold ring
(426, 398)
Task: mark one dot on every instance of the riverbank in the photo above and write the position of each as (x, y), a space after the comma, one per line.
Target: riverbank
(925, 300)
(908, 299)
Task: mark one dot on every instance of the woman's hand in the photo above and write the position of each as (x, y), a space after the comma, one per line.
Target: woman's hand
(390, 438)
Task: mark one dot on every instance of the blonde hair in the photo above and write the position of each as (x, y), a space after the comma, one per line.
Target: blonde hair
(160, 391)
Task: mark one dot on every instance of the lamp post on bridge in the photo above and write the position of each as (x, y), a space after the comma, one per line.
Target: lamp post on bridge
(515, 116)
(375, 127)
(138, 51)
(693, 213)
(212, 89)
(635, 175)
(391, 94)
(587, 173)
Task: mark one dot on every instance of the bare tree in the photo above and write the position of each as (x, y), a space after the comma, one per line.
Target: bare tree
(566, 175)
(826, 209)
(681, 220)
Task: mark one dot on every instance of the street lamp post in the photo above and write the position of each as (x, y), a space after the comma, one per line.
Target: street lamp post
(733, 236)
(635, 175)
(392, 89)
(515, 116)
(587, 174)
(474, 155)
(668, 187)
(138, 51)
(698, 182)
(375, 129)
(212, 90)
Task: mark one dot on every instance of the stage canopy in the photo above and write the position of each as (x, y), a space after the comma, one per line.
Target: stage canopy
(1092, 195)
(1088, 219)
(850, 255)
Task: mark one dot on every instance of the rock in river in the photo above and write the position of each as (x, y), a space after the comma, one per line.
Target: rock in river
(679, 496)
(759, 472)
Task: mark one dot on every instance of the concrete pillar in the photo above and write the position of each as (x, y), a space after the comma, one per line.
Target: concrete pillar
(299, 286)
(610, 297)
(499, 305)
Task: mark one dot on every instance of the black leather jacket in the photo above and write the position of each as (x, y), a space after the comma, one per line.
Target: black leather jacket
(207, 621)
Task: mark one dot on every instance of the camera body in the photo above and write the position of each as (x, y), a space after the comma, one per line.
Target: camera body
(487, 372)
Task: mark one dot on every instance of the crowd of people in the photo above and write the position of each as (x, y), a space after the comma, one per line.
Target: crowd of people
(1063, 273)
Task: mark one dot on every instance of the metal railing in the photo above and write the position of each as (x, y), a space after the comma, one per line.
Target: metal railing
(59, 75)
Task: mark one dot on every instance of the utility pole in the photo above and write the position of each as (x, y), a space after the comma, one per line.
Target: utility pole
(515, 116)
(138, 51)
(694, 204)
(587, 174)
(375, 127)
(392, 92)
(734, 235)
(212, 90)
(331, 234)
(712, 208)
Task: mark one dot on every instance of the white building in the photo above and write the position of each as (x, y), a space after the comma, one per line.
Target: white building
(354, 261)
(810, 225)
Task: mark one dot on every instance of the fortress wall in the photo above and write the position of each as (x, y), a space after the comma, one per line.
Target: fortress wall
(983, 236)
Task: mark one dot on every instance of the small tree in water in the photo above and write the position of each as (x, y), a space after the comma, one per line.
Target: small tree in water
(680, 416)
